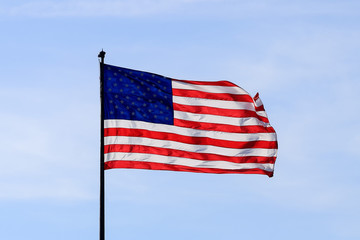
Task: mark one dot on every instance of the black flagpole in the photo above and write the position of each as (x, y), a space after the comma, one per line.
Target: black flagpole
(102, 177)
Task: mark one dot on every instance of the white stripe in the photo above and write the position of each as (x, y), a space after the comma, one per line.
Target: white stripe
(208, 88)
(150, 142)
(214, 103)
(262, 113)
(258, 102)
(240, 137)
(251, 121)
(218, 104)
(145, 157)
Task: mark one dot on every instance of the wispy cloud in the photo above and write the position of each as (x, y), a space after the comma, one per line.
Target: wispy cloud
(38, 162)
(123, 8)
(131, 8)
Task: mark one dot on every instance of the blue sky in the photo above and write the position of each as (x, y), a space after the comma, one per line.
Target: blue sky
(301, 56)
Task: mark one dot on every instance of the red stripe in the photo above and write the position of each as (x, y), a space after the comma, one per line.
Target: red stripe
(169, 167)
(185, 154)
(209, 83)
(260, 108)
(222, 127)
(216, 96)
(188, 139)
(219, 111)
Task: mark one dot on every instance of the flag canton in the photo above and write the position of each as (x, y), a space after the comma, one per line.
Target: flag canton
(136, 95)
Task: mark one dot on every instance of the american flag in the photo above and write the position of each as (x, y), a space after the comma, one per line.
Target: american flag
(155, 122)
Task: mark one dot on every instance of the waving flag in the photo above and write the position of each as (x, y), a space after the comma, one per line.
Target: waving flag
(159, 123)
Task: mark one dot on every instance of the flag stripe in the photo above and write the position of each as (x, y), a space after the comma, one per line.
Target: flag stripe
(222, 127)
(250, 121)
(214, 103)
(209, 83)
(221, 112)
(173, 167)
(230, 136)
(185, 154)
(263, 152)
(207, 95)
(187, 139)
(208, 88)
(145, 157)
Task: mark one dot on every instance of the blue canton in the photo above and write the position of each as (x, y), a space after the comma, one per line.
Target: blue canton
(136, 95)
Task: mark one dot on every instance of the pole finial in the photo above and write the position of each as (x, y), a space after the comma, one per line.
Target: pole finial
(102, 54)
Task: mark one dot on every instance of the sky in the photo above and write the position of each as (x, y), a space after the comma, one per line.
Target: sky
(301, 56)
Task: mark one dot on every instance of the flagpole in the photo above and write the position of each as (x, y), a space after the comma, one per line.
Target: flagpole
(102, 177)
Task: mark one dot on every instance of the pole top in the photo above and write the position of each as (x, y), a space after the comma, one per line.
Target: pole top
(102, 54)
